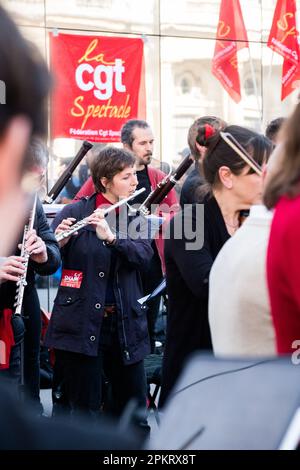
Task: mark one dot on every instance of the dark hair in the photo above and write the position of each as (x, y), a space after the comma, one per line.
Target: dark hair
(25, 77)
(215, 122)
(128, 128)
(274, 127)
(219, 153)
(108, 163)
(36, 155)
(286, 178)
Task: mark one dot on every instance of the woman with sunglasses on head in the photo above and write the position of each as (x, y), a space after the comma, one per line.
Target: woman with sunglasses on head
(97, 326)
(232, 170)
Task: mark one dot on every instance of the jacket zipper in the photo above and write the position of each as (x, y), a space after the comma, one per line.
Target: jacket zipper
(126, 352)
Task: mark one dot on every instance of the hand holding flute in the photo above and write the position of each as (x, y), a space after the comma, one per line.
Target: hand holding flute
(36, 247)
(103, 230)
(67, 227)
(13, 266)
(64, 227)
(97, 219)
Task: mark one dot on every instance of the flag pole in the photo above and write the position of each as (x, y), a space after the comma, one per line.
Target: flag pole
(270, 72)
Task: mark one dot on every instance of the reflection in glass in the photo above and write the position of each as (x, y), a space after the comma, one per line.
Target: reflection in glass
(199, 18)
(130, 16)
(189, 90)
(26, 12)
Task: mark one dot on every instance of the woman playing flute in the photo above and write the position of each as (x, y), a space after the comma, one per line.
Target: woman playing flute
(97, 326)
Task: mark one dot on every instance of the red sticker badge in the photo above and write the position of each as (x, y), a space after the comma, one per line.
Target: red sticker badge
(71, 278)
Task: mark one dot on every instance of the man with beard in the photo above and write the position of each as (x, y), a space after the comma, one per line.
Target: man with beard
(137, 136)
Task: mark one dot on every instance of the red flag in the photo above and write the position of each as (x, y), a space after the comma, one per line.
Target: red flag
(283, 39)
(290, 78)
(231, 37)
(283, 34)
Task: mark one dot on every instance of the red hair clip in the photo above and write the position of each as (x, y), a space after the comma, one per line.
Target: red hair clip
(209, 131)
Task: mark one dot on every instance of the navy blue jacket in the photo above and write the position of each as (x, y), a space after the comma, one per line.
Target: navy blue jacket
(78, 311)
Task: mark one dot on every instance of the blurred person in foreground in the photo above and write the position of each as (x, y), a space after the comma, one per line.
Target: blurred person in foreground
(27, 82)
(44, 259)
(22, 114)
(282, 194)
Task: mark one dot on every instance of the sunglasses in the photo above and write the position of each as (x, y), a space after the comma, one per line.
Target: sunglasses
(237, 148)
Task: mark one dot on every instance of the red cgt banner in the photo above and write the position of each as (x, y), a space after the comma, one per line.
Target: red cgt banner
(99, 85)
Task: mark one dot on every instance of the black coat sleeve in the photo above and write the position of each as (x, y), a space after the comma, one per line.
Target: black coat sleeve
(136, 253)
(44, 231)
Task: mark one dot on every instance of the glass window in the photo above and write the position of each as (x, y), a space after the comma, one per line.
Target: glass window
(37, 36)
(267, 13)
(191, 59)
(249, 86)
(128, 16)
(186, 86)
(273, 107)
(199, 18)
(26, 12)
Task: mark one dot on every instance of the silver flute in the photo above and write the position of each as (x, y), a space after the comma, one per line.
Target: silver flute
(21, 284)
(82, 223)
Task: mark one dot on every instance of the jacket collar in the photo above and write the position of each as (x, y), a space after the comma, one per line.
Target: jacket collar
(96, 199)
(90, 203)
(102, 201)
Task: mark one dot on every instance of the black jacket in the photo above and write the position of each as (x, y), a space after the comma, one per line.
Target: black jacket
(8, 289)
(78, 311)
(187, 273)
(188, 193)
